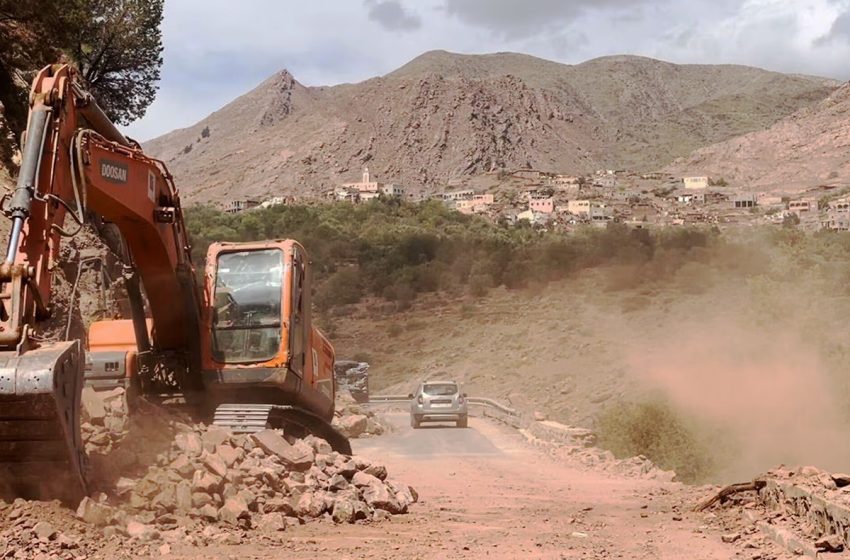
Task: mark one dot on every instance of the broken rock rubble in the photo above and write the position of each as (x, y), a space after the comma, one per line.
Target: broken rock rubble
(261, 481)
(355, 421)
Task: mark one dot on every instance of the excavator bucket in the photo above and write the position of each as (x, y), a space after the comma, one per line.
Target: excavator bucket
(41, 453)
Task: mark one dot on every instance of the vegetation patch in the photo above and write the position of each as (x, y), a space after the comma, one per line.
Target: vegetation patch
(656, 430)
(396, 251)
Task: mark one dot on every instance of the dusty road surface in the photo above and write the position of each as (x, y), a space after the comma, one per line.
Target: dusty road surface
(486, 493)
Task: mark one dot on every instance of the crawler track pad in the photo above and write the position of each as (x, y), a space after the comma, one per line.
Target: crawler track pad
(41, 452)
(247, 418)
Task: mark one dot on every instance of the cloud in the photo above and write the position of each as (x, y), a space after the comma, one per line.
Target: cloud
(840, 31)
(513, 20)
(391, 15)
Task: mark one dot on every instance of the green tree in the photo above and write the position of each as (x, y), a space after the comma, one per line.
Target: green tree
(118, 49)
(116, 44)
(30, 34)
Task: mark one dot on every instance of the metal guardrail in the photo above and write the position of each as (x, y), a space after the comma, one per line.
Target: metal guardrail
(481, 401)
(493, 404)
(388, 399)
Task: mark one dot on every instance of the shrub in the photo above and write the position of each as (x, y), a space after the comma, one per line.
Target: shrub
(657, 431)
(342, 288)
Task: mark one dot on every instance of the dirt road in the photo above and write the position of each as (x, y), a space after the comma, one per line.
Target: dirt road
(486, 493)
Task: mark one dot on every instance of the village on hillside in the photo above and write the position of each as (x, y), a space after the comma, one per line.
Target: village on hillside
(562, 201)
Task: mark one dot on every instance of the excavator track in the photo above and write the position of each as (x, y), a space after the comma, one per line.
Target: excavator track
(250, 418)
(41, 452)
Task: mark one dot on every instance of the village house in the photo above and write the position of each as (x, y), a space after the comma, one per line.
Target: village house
(836, 221)
(367, 189)
(477, 204)
(534, 218)
(801, 206)
(770, 200)
(695, 182)
(273, 201)
(744, 200)
(347, 195)
(599, 213)
(540, 204)
(841, 205)
(527, 215)
(625, 196)
(566, 180)
(578, 207)
(690, 197)
(240, 205)
(465, 194)
(605, 181)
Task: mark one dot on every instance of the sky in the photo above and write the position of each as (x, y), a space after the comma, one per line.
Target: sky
(215, 52)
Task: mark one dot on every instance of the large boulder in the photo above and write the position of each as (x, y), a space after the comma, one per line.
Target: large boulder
(295, 457)
(352, 426)
(234, 511)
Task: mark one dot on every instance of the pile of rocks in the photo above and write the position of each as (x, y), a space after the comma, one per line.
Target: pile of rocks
(261, 481)
(802, 511)
(105, 422)
(356, 421)
(579, 450)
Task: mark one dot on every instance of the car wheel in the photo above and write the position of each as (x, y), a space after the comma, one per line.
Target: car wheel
(414, 422)
(462, 421)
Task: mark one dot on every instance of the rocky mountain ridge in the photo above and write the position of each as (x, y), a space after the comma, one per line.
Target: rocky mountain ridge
(443, 118)
(809, 148)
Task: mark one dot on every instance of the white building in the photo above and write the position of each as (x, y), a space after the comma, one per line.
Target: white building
(695, 182)
(368, 189)
(579, 207)
(691, 197)
(273, 201)
(236, 206)
(465, 194)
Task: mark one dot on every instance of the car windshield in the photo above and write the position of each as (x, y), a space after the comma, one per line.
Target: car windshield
(440, 389)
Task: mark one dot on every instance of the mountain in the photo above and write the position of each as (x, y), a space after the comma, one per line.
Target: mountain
(444, 117)
(809, 148)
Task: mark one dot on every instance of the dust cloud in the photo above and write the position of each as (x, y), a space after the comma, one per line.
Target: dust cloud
(767, 390)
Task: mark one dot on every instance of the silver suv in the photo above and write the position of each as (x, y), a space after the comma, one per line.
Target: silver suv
(438, 401)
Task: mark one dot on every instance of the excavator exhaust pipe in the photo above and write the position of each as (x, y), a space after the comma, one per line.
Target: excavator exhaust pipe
(41, 452)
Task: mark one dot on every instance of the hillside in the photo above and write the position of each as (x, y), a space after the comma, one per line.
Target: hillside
(808, 148)
(444, 117)
(726, 339)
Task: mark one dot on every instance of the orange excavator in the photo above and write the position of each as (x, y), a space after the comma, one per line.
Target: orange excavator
(237, 348)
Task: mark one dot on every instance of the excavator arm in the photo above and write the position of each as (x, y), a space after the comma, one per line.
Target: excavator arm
(76, 163)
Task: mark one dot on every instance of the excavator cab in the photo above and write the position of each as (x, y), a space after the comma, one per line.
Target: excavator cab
(247, 306)
(257, 322)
